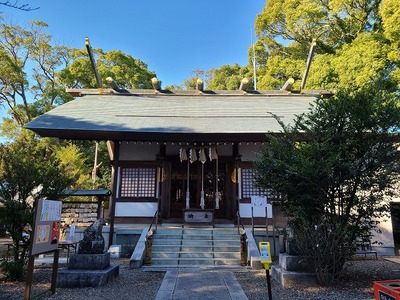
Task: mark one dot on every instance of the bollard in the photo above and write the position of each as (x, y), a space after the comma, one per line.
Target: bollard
(149, 245)
(243, 248)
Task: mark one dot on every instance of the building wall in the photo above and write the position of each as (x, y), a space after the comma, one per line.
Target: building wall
(131, 153)
(250, 151)
(382, 238)
(138, 151)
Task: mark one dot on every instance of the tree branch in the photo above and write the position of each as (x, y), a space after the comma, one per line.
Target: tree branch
(24, 7)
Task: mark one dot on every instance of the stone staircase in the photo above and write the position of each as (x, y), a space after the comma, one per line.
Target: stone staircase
(195, 247)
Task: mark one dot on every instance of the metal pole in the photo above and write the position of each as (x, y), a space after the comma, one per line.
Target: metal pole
(252, 219)
(268, 284)
(266, 222)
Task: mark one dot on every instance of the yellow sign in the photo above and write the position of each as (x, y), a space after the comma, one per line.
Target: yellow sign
(265, 254)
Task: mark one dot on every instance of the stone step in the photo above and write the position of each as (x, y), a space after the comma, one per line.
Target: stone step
(166, 242)
(227, 254)
(195, 261)
(195, 237)
(211, 248)
(196, 247)
(175, 255)
(167, 236)
(169, 231)
(194, 243)
(166, 248)
(163, 268)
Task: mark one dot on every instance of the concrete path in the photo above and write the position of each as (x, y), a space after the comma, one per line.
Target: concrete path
(200, 284)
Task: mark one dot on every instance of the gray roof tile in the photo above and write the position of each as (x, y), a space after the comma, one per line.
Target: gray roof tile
(136, 116)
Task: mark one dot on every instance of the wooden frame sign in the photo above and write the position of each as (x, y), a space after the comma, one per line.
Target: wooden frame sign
(46, 232)
(45, 237)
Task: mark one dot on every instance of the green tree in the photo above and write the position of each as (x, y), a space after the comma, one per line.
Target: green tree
(228, 77)
(34, 73)
(29, 62)
(73, 161)
(26, 173)
(126, 71)
(356, 40)
(335, 168)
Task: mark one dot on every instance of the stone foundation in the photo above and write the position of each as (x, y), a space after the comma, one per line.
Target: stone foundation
(294, 271)
(87, 270)
(89, 261)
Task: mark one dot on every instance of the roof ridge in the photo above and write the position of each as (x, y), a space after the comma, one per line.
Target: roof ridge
(142, 92)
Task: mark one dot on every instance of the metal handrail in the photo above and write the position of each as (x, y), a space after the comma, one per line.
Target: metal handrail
(155, 218)
(239, 222)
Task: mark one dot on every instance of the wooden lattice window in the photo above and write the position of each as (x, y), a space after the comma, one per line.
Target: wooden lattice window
(138, 182)
(248, 185)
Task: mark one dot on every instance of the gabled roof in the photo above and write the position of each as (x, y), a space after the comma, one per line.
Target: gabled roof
(146, 116)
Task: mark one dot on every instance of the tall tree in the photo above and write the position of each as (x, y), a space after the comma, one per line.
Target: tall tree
(26, 173)
(228, 77)
(34, 73)
(356, 29)
(126, 71)
(336, 178)
(29, 62)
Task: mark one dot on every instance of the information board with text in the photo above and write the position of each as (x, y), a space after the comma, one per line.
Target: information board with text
(46, 232)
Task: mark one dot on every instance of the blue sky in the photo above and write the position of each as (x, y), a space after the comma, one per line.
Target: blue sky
(173, 37)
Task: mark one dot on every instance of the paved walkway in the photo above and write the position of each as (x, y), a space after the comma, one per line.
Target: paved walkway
(200, 284)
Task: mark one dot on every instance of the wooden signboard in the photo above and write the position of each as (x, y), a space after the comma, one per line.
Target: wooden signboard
(46, 232)
(45, 238)
(200, 216)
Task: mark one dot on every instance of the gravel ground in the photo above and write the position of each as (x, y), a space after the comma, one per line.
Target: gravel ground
(355, 283)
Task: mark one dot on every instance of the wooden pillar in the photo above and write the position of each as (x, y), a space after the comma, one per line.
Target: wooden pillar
(114, 189)
(237, 157)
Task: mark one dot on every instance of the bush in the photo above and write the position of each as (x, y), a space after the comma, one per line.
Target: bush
(14, 270)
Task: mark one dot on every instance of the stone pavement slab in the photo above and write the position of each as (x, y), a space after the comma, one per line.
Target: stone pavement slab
(200, 284)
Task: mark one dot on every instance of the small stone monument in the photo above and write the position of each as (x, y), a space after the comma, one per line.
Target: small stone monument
(90, 267)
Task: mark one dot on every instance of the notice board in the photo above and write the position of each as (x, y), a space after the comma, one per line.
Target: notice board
(46, 232)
